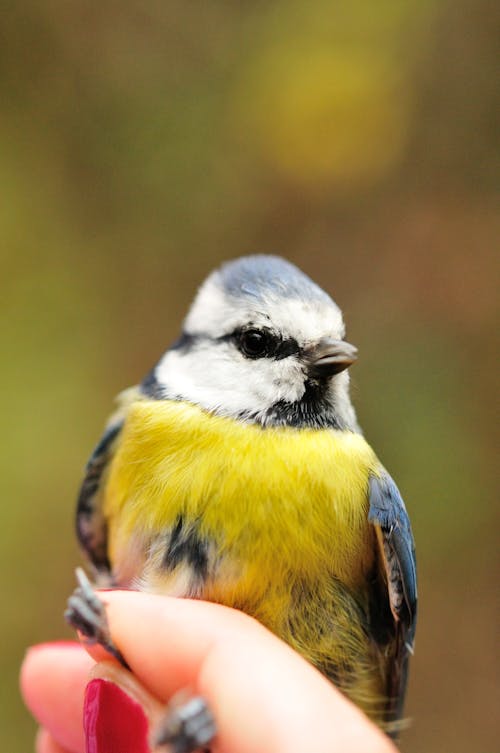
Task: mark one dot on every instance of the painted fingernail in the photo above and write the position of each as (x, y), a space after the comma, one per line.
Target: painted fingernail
(113, 721)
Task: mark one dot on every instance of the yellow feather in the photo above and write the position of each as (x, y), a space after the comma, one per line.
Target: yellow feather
(285, 511)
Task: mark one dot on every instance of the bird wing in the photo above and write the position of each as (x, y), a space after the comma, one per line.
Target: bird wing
(91, 527)
(388, 514)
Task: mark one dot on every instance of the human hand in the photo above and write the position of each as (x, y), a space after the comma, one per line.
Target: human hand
(265, 697)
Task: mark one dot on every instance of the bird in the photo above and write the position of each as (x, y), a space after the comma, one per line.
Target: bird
(236, 472)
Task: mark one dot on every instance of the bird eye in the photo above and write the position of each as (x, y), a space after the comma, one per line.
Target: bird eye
(254, 343)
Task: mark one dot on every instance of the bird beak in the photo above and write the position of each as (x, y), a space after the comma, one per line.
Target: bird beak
(329, 357)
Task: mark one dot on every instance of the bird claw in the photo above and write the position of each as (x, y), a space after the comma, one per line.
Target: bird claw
(187, 727)
(87, 613)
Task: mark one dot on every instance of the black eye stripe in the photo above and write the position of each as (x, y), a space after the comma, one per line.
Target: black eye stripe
(276, 346)
(287, 348)
(273, 345)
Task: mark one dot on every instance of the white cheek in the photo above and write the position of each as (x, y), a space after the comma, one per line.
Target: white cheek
(267, 381)
(340, 394)
(221, 380)
(288, 380)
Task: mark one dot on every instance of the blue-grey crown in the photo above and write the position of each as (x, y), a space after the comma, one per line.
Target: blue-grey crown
(264, 276)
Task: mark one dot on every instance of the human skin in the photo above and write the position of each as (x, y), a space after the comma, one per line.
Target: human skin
(264, 696)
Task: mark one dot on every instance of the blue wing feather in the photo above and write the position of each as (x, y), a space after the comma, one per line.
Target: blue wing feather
(387, 512)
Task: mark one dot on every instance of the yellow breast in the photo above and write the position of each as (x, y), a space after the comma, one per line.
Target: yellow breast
(274, 498)
(284, 513)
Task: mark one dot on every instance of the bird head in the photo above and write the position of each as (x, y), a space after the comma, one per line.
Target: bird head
(263, 343)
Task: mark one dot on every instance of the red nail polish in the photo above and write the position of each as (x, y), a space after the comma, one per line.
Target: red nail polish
(113, 721)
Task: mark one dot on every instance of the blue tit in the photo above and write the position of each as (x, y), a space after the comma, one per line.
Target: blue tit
(236, 472)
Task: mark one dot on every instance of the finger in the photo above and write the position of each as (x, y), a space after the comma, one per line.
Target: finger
(45, 743)
(267, 698)
(53, 680)
(263, 695)
(153, 631)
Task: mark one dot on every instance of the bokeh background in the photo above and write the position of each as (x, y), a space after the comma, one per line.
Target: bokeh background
(143, 143)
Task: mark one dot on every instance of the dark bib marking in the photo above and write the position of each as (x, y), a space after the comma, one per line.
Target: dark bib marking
(185, 545)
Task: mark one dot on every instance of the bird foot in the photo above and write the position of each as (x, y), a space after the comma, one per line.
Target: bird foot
(188, 726)
(87, 613)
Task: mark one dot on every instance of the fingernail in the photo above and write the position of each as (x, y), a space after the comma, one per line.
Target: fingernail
(113, 722)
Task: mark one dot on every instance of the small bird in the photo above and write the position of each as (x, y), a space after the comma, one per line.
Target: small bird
(236, 472)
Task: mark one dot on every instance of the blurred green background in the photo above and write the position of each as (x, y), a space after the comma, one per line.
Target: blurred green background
(143, 143)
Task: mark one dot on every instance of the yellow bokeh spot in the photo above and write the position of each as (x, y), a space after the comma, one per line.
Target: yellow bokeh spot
(325, 116)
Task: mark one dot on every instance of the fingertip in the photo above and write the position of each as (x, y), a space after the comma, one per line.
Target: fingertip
(38, 661)
(53, 677)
